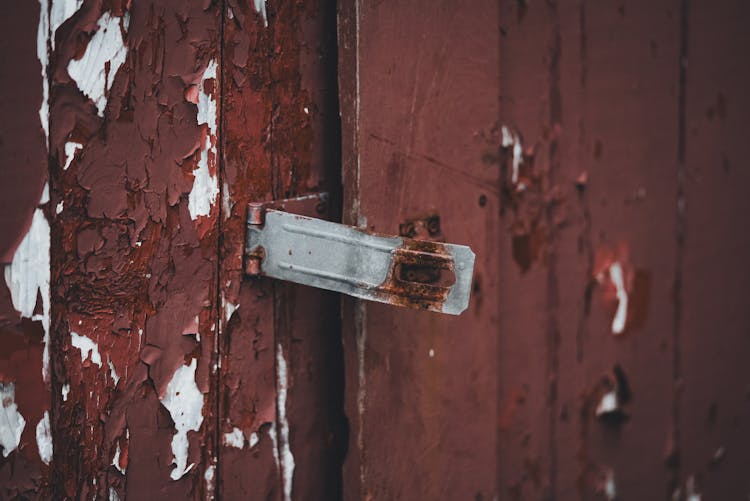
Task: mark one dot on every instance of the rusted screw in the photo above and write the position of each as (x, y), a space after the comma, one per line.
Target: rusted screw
(433, 225)
(255, 213)
(252, 266)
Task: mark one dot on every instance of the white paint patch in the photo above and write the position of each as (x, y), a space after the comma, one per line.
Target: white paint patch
(113, 496)
(610, 488)
(60, 206)
(44, 438)
(513, 139)
(12, 422)
(42, 38)
(253, 440)
(64, 392)
(59, 13)
(28, 278)
(112, 371)
(234, 438)
(618, 279)
(116, 459)
(226, 201)
(88, 348)
(106, 46)
(209, 477)
(691, 493)
(607, 404)
(285, 452)
(229, 309)
(184, 401)
(205, 185)
(260, 8)
(70, 152)
(431, 353)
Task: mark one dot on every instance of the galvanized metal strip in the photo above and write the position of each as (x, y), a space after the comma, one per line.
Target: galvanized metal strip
(376, 267)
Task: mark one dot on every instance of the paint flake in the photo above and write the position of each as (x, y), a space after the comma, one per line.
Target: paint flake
(260, 8)
(234, 438)
(285, 451)
(618, 279)
(60, 12)
(112, 371)
(64, 392)
(607, 404)
(184, 401)
(92, 73)
(70, 152)
(42, 39)
(44, 438)
(205, 185)
(254, 439)
(28, 277)
(12, 422)
(88, 348)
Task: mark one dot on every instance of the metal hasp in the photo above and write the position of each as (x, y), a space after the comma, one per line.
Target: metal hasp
(395, 270)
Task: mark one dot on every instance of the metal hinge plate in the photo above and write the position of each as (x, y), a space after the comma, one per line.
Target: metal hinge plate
(390, 269)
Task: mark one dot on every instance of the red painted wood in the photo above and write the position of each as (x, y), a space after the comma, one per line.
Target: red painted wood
(280, 140)
(24, 169)
(419, 106)
(714, 404)
(132, 271)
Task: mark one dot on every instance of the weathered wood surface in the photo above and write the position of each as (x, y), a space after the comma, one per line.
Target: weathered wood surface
(24, 253)
(419, 109)
(281, 375)
(611, 253)
(170, 373)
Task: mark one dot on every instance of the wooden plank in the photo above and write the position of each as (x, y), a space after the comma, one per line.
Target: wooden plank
(580, 86)
(281, 362)
(134, 134)
(628, 135)
(24, 254)
(419, 89)
(714, 317)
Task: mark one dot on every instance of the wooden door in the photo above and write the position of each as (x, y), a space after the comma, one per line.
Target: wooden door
(592, 154)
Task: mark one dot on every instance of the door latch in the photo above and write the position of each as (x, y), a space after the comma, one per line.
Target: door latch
(284, 242)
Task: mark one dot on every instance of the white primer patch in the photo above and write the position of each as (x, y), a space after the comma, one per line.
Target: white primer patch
(184, 401)
(64, 392)
(618, 279)
(205, 185)
(42, 38)
(60, 12)
(607, 404)
(229, 309)
(691, 493)
(431, 353)
(513, 139)
(287, 459)
(70, 152)
(28, 277)
(209, 477)
(113, 496)
(106, 46)
(12, 422)
(260, 8)
(88, 348)
(235, 438)
(253, 440)
(112, 371)
(44, 438)
(610, 488)
(60, 206)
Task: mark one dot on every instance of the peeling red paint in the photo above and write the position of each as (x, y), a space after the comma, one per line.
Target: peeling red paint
(131, 269)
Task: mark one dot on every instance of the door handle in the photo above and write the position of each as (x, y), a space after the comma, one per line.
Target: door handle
(285, 243)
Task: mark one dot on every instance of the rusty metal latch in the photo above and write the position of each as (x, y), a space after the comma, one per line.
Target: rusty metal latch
(282, 243)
